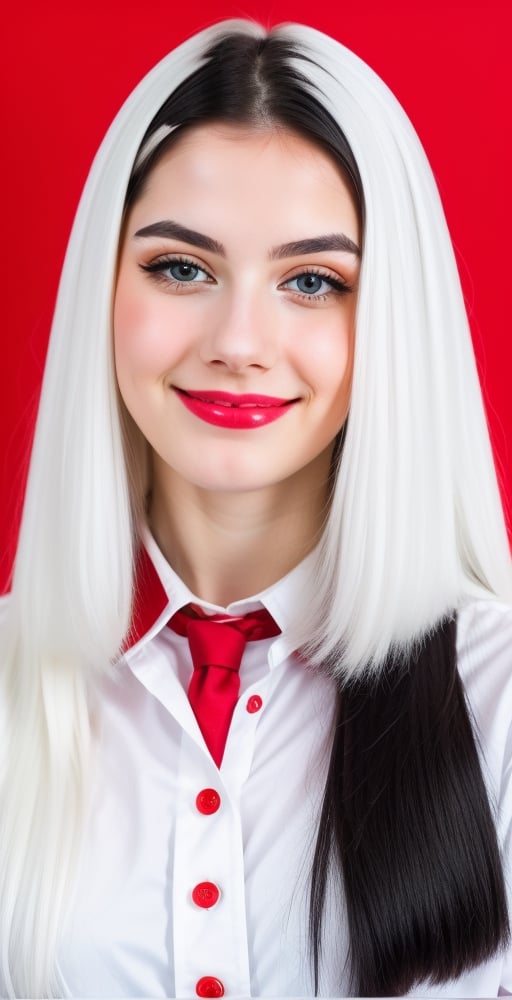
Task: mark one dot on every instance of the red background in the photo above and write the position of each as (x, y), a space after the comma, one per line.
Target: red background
(65, 71)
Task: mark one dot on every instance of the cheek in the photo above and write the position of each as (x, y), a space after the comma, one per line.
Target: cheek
(149, 338)
(327, 360)
(137, 329)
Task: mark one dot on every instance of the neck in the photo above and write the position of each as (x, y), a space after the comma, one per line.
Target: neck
(228, 546)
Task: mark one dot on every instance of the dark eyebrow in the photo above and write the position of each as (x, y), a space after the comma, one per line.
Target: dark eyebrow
(317, 244)
(174, 231)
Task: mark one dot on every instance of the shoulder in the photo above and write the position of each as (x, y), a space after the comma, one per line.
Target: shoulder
(484, 640)
(484, 650)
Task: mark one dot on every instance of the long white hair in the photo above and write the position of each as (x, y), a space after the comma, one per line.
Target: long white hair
(415, 527)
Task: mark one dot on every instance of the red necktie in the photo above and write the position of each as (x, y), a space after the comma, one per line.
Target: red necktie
(216, 645)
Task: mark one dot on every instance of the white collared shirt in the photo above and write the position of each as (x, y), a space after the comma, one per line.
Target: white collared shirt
(135, 929)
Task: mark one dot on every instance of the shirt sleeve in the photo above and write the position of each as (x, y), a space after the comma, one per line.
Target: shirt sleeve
(485, 663)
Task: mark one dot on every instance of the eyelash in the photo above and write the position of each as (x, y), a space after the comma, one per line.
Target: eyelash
(337, 285)
(157, 268)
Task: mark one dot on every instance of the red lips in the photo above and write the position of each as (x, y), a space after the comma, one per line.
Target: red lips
(237, 412)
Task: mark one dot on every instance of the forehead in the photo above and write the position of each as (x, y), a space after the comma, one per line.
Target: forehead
(260, 175)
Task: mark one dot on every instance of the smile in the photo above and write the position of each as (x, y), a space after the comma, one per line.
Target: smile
(235, 412)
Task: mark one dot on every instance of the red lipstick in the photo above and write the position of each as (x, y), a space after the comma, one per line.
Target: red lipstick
(235, 412)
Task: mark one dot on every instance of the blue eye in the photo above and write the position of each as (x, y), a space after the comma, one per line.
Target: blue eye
(181, 270)
(176, 271)
(311, 285)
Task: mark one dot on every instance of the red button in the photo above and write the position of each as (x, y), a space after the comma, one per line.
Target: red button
(254, 704)
(209, 986)
(206, 894)
(208, 801)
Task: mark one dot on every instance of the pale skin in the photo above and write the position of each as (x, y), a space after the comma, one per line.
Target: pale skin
(242, 312)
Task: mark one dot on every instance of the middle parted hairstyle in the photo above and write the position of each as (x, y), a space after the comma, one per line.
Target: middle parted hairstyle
(413, 528)
(415, 522)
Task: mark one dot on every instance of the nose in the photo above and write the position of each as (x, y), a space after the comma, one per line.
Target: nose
(242, 332)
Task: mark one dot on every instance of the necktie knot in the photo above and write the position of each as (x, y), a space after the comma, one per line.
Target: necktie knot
(216, 645)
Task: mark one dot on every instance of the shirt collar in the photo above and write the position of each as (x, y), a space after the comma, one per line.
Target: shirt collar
(159, 593)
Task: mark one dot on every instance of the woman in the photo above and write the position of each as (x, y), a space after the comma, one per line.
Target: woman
(288, 419)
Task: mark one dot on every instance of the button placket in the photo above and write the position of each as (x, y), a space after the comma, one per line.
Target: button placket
(248, 714)
(209, 913)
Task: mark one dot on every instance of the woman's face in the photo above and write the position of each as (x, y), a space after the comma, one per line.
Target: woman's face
(234, 308)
